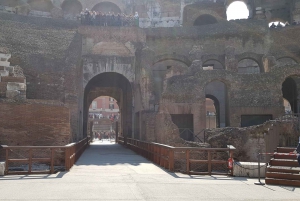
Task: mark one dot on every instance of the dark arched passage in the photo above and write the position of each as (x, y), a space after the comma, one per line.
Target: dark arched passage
(116, 86)
(106, 7)
(204, 20)
(289, 92)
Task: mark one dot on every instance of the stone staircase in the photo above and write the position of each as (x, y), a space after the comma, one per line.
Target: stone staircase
(12, 80)
(283, 169)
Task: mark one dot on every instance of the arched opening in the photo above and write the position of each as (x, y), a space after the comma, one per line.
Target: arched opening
(204, 20)
(106, 7)
(104, 118)
(117, 87)
(71, 7)
(286, 61)
(237, 10)
(41, 5)
(212, 109)
(216, 104)
(290, 92)
(248, 66)
(212, 65)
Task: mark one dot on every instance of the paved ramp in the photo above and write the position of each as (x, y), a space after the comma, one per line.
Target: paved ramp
(109, 171)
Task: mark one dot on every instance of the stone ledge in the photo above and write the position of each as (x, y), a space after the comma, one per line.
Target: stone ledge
(248, 169)
(2, 168)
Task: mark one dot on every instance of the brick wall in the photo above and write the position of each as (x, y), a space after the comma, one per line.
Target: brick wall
(34, 124)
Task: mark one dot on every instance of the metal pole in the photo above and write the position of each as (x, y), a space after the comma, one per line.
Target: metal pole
(259, 182)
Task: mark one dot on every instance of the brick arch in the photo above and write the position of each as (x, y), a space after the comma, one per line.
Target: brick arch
(175, 57)
(192, 11)
(90, 4)
(252, 56)
(205, 19)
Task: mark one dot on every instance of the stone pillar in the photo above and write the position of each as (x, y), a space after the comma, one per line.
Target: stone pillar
(199, 118)
(268, 63)
(231, 64)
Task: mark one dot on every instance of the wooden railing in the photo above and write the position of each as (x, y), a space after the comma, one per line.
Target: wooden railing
(167, 156)
(50, 155)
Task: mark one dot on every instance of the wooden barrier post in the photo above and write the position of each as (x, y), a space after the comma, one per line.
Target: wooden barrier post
(6, 161)
(171, 159)
(209, 162)
(67, 158)
(52, 161)
(187, 152)
(30, 161)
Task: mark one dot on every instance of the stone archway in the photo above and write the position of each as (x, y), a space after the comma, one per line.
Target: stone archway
(106, 7)
(114, 85)
(205, 20)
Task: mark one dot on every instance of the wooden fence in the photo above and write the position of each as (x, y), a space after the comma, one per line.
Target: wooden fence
(52, 155)
(211, 160)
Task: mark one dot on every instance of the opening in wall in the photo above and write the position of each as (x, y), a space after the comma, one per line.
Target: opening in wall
(252, 120)
(185, 124)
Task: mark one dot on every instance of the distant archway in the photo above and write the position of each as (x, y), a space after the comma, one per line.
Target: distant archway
(237, 10)
(106, 7)
(204, 20)
(72, 7)
(248, 66)
(117, 87)
(212, 112)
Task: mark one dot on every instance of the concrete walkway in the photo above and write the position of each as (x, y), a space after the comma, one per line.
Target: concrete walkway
(110, 172)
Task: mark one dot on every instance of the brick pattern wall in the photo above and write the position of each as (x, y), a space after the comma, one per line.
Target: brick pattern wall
(34, 124)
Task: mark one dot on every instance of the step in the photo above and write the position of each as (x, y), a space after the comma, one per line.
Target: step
(279, 175)
(284, 162)
(285, 149)
(281, 156)
(13, 79)
(283, 182)
(295, 170)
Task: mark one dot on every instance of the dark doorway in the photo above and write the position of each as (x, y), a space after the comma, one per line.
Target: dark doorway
(289, 92)
(185, 124)
(252, 120)
(204, 20)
